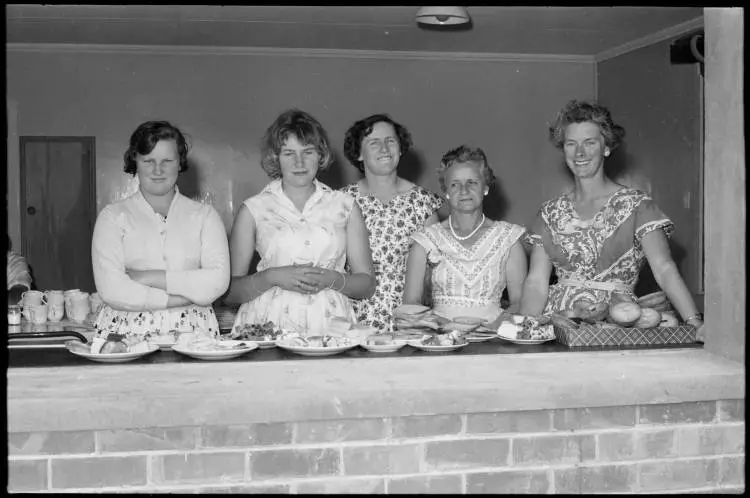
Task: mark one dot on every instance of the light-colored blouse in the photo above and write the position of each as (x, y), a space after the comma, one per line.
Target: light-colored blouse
(468, 281)
(190, 244)
(287, 236)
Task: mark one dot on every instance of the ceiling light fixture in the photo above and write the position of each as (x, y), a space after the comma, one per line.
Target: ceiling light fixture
(443, 16)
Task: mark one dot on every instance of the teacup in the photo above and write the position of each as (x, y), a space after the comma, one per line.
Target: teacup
(33, 297)
(55, 312)
(55, 297)
(37, 313)
(77, 305)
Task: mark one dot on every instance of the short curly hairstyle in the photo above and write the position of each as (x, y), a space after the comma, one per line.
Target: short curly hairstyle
(305, 128)
(464, 154)
(359, 130)
(580, 112)
(147, 135)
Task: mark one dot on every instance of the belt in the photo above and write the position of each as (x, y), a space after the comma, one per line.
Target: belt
(591, 284)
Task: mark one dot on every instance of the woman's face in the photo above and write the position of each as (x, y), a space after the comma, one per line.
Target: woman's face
(158, 170)
(299, 162)
(465, 186)
(380, 150)
(584, 149)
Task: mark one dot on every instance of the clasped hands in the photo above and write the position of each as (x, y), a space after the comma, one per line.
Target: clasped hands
(305, 279)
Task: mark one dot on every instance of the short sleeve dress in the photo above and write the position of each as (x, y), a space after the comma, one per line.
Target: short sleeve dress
(606, 249)
(286, 236)
(468, 281)
(390, 225)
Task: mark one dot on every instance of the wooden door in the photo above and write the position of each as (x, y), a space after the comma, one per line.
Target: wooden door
(58, 210)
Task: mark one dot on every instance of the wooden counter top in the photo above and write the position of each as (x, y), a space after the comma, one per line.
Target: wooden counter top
(165, 395)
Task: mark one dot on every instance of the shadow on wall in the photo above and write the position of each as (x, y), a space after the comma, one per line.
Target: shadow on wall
(187, 182)
(334, 176)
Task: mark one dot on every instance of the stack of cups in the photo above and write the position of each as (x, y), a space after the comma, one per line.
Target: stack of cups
(34, 306)
(55, 305)
(77, 305)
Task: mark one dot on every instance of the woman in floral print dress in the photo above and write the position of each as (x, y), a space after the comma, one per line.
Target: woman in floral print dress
(393, 209)
(598, 236)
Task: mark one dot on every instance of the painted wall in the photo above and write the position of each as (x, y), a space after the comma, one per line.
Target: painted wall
(225, 101)
(659, 104)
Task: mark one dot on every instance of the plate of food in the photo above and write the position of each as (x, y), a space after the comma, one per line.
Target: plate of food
(475, 337)
(382, 343)
(205, 347)
(440, 342)
(264, 335)
(526, 330)
(165, 340)
(319, 345)
(114, 349)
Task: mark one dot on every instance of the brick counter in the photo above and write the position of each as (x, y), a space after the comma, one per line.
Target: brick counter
(538, 423)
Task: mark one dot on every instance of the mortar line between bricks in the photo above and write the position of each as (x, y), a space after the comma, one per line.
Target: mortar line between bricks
(49, 474)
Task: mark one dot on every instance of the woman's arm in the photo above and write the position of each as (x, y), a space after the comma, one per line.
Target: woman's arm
(204, 285)
(432, 219)
(416, 268)
(536, 286)
(667, 276)
(360, 284)
(516, 269)
(112, 282)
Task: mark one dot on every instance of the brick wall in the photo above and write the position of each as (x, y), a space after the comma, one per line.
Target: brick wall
(695, 447)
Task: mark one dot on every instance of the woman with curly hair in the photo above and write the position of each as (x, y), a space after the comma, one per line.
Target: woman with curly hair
(393, 209)
(160, 259)
(471, 258)
(598, 235)
(305, 233)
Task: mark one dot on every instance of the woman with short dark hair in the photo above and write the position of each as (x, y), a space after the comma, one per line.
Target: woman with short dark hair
(393, 209)
(305, 233)
(159, 258)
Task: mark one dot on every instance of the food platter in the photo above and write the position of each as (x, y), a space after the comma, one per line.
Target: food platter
(221, 350)
(264, 344)
(79, 349)
(289, 344)
(434, 348)
(525, 341)
(479, 337)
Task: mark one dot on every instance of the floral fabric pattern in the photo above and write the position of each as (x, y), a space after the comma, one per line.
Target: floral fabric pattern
(606, 248)
(141, 323)
(468, 281)
(390, 226)
(285, 236)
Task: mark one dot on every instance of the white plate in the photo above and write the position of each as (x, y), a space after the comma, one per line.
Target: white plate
(208, 354)
(525, 341)
(79, 349)
(163, 343)
(477, 338)
(314, 351)
(384, 348)
(423, 347)
(263, 344)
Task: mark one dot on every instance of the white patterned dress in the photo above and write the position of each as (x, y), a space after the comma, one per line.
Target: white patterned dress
(285, 236)
(390, 225)
(468, 281)
(605, 249)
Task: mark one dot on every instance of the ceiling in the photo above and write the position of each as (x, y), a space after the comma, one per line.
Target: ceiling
(584, 31)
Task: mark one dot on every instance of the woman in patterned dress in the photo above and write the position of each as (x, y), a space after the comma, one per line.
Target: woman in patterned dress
(472, 258)
(160, 259)
(304, 232)
(393, 208)
(598, 235)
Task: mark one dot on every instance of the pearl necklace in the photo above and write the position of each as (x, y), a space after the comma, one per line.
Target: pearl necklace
(450, 224)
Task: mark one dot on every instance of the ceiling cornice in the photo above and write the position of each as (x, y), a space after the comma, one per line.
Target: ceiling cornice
(294, 52)
(665, 34)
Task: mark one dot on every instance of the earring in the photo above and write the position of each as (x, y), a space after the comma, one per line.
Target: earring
(447, 196)
(486, 192)
(606, 153)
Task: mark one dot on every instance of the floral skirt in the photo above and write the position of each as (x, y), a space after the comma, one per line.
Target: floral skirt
(111, 321)
(308, 314)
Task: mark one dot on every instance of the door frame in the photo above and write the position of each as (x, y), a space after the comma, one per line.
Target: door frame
(23, 140)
